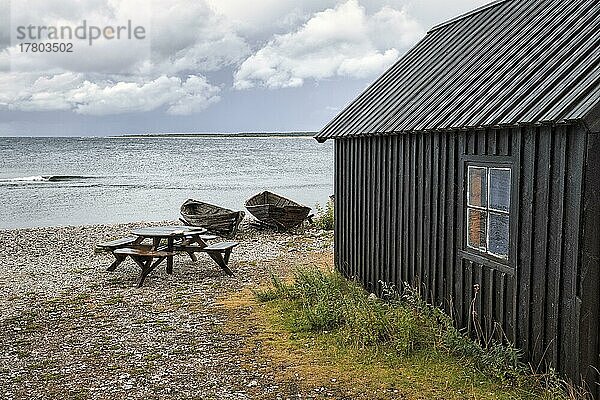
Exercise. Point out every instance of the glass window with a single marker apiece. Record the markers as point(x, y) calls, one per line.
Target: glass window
point(477, 187)
point(500, 189)
point(498, 235)
point(477, 229)
point(488, 210)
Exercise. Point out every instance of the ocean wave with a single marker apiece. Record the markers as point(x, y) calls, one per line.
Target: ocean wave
point(45, 178)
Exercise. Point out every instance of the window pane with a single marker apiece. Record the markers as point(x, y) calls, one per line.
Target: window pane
point(476, 228)
point(498, 239)
point(477, 187)
point(500, 189)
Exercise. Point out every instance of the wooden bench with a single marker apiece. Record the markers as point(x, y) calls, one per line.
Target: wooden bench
point(118, 243)
point(219, 252)
point(208, 237)
point(143, 256)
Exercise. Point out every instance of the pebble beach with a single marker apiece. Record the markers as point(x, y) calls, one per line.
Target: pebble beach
point(70, 329)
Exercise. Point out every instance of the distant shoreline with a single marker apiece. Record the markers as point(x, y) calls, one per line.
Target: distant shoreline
point(218, 135)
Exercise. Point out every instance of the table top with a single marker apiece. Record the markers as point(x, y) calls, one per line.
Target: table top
point(168, 231)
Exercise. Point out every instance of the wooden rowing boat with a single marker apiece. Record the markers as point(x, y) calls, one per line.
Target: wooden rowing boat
point(218, 220)
point(276, 211)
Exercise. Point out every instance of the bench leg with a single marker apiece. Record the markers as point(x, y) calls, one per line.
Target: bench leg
point(193, 240)
point(227, 254)
point(147, 266)
point(170, 258)
point(193, 256)
point(218, 258)
point(117, 262)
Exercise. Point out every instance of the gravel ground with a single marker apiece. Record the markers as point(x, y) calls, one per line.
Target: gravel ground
point(71, 330)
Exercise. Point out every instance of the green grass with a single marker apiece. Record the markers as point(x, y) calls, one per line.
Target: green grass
point(324, 219)
point(399, 333)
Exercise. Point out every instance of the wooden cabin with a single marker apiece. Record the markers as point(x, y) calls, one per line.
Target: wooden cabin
point(471, 169)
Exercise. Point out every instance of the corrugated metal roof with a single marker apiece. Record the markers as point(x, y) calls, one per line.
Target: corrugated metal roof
point(510, 62)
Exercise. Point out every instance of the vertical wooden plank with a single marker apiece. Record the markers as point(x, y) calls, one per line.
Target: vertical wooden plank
point(413, 223)
point(347, 207)
point(487, 282)
point(471, 142)
point(355, 194)
point(370, 188)
point(426, 237)
point(540, 241)
point(338, 175)
point(406, 204)
point(393, 204)
point(400, 234)
point(570, 303)
point(470, 303)
point(503, 139)
point(515, 147)
point(387, 192)
point(482, 137)
point(477, 279)
point(360, 210)
point(369, 226)
point(553, 271)
point(352, 192)
point(492, 148)
point(456, 224)
point(419, 205)
point(384, 191)
point(376, 207)
point(589, 283)
point(501, 306)
point(340, 203)
point(443, 279)
point(435, 267)
point(526, 182)
point(510, 317)
point(385, 225)
point(344, 206)
point(383, 163)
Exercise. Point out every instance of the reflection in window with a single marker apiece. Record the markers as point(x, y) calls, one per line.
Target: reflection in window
point(477, 229)
point(488, 208)
point(478, 186)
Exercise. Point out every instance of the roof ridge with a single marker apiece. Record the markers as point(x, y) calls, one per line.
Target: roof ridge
point(468, 14)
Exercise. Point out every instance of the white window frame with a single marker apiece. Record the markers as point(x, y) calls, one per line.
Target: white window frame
point(488, 209)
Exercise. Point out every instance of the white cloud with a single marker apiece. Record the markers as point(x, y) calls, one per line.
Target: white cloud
point(267, 17)
point(182, 36)
point(340, 41)
point(294, 41)
point(185, 39)
point(72, 91)
point(189, 36)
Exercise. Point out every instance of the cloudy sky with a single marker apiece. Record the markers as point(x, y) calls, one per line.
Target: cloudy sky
point(203, 65)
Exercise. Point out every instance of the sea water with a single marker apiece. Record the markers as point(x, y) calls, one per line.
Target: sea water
point(78, 181)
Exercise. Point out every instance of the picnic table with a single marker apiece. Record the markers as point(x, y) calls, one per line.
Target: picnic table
point(169, 233)
point(166, 241)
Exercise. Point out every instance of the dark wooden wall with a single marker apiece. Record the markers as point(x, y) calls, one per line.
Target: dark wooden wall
point(400, 218)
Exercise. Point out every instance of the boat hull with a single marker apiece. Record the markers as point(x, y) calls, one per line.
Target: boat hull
point(276, 211)
point(215, 219)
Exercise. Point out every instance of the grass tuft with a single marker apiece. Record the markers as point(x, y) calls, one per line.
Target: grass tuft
point(403, 325)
